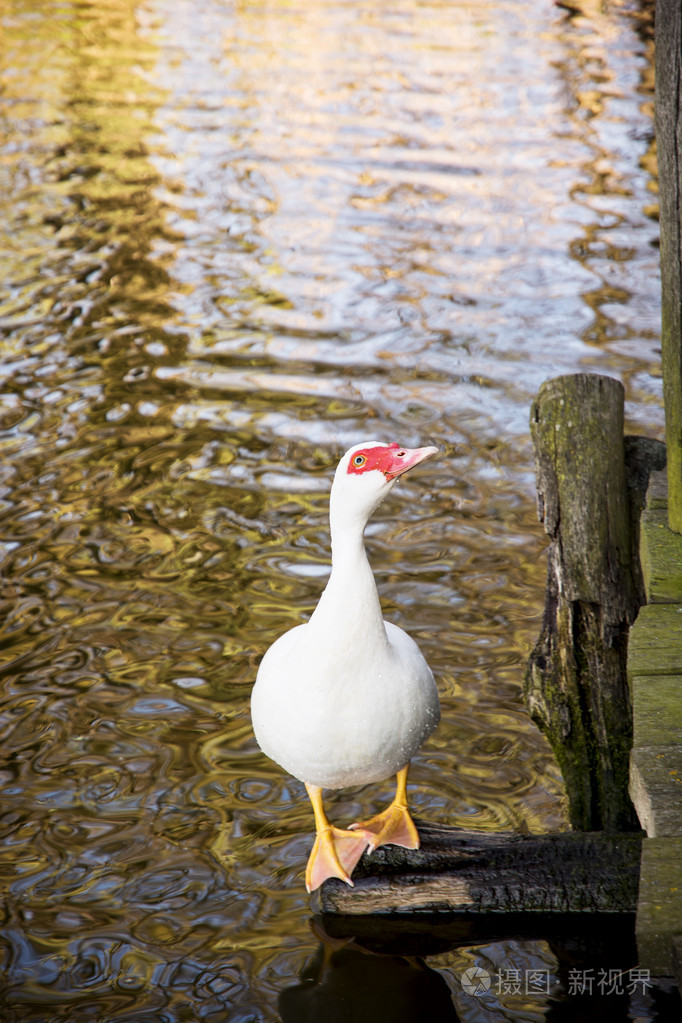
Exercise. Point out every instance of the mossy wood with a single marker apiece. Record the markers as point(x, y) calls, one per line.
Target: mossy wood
point(655, 672)
point(669, 150)
point(467, 872)
point(591, 484)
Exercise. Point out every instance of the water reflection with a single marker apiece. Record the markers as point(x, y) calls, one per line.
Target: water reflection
point(349, 983)
point(557, 967)
point(236, 238)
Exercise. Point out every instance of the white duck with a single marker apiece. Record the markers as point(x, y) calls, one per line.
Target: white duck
point(347, 698)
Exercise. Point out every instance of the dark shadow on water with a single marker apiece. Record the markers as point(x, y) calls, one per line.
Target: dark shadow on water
point(348, 982)
point(373, 969)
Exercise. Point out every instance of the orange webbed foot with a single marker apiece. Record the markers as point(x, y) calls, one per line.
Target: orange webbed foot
point(335, 853)
point(392, 827)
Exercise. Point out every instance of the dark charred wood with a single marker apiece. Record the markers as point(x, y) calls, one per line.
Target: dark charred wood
point(470, 873)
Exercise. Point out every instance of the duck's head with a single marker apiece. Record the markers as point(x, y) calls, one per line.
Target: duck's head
point(366, 474)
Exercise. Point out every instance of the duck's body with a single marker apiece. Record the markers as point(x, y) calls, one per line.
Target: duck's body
point(348, 705)
point(347, 698)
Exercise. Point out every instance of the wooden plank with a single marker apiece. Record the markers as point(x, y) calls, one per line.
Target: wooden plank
point(656, 790)
point(657, 710)
point(654, 663)
point(657, 490)
point(467, 872)
point(661, 555)
point(656, 641)
point(659, 913)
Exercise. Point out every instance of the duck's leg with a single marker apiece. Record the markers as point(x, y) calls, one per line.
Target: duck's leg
point(335, 852)
point(393, 826)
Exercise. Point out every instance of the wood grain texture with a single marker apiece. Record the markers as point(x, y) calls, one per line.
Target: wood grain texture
point(591, 487)
point(465, 872)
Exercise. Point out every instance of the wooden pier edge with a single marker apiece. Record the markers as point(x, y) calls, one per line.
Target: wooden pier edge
point(592, 485)
point(473, 873)
point(655, 656)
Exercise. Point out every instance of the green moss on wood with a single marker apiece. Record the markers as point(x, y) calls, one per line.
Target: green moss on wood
point(656, 641)
point(657, 490)
point(576, 684)
point(656, 787)
point(659, 912)
point(657, 710)
point(661, 555)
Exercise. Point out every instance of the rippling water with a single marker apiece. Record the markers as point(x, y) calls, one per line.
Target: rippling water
point(236, 238)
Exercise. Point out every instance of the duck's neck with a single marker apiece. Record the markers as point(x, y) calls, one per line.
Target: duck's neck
point(350, 602)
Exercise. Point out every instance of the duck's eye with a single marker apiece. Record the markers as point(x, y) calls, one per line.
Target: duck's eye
point(359, 461)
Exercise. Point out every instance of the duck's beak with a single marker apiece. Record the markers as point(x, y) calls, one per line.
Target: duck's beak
point(405, 459)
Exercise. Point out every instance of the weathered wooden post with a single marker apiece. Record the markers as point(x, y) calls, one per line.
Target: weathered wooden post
point(669, 150)
point(576, 683)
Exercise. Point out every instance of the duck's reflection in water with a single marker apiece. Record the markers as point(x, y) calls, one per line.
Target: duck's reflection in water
point(344, 982)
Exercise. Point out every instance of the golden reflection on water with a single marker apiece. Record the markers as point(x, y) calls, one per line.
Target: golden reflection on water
point(235, 239)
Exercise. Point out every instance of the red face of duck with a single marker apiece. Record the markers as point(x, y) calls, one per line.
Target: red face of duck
point(391, 460)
